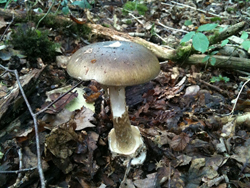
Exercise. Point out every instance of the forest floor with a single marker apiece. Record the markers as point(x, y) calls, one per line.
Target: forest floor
point(194, 118)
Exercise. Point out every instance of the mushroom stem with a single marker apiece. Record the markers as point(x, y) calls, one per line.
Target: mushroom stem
point(122, 126)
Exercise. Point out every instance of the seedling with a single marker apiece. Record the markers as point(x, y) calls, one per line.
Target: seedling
point(84, 4)
point(219, 79)
point(199, 40)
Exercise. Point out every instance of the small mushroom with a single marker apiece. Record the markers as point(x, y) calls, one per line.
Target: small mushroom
point(115, 65)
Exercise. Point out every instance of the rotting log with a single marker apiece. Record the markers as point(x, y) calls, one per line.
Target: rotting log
point(222, 62)
point(182, 54)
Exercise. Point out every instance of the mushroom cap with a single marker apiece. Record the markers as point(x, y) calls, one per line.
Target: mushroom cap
point(114, 63)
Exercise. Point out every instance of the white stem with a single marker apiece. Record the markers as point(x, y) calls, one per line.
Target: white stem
point(122, 126)
point(118, 101)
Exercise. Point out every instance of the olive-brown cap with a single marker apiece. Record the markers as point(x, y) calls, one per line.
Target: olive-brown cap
point(114, 63)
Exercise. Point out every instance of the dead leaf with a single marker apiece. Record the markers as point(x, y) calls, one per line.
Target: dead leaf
point(3, 90)
point(54, 120)
point(242, 153)
point(60, 104)
point(83, 118)
point(149, 182)
point(87, 158)
point(182, 160)
point(2, 23)
point(62, 140)
point(77, 21)
point(179, 142)
point(128, 183)
point(30, 159)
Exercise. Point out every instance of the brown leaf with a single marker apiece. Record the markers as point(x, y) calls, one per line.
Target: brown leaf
point(148, 182)
point(77, 21)
point(59, 105)
point(92, 97)
point(83, 118)
point(60, 141)
point(179, 142)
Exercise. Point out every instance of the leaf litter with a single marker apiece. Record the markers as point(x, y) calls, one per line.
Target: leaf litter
point(189, 143)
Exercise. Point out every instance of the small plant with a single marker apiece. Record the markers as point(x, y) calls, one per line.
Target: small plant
point(84, 4)
point(246, 43)
point(128, 22)
point(188, 22)
point(34, 43)
point(219, 79)
point(7, 2)
point(200, 41)
point(210, 59)
point(134, 6)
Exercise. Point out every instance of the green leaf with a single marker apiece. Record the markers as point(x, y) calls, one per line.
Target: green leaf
point(188, 22)
point(219, 78)
point(212, 61)
point(246, 44)
point(82, 4)
point(64, 3)
point(214, 52)
point(206, 58)
point(152, 30)
point(211, 47)
point(244, 35)
point(79, 102)
point(214, 19)
point(226, 79)
point(3, 1)
point(215, 79)
point(38, 10)
point(224, 42)
point(65, 10)
point(207, 27)
point(200, 42)
point(39, 33)
point(188, 36)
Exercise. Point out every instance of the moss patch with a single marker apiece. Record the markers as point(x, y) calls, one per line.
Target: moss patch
point(34, 43)
point(63, 26)
point(132, 6)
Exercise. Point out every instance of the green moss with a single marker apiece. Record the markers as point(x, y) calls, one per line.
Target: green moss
point(183, 52)
point(128, 22)
point(34, 43)
point(106, 25)
point(65, 27)
point(230, 10)
point(132, 6)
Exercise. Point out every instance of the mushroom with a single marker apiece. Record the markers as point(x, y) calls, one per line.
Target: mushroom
point(115, 65)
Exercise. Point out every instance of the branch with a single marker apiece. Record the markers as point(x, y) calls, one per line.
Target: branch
point(222, 61)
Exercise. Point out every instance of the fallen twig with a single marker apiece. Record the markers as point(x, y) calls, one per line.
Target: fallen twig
point(170, 28)
point(214, 87)
point(194, 8)
point(17, 171)
point(237, 98)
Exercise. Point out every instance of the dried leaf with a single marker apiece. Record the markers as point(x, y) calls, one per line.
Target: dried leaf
point(179, 142)
point(83, 118)
point(61, 142)
point(59, 105)
point(148, 182)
